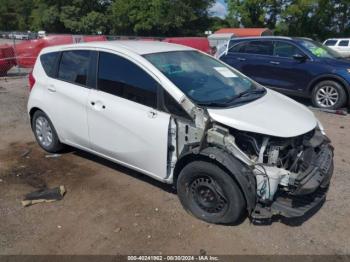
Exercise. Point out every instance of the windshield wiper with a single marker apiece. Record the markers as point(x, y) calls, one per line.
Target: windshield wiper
point(246, 93)
point(215, 104)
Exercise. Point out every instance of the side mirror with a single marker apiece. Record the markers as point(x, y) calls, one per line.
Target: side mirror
point(300, 57)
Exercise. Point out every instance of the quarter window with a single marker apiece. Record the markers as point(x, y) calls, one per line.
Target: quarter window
point(119, 76)
point(48, 62)
point(173, 107)
point(283, 49)
point(74, 66)
point(344, 43)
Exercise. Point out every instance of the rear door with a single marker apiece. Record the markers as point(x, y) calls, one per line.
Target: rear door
point(124, 122)
point(67, 96)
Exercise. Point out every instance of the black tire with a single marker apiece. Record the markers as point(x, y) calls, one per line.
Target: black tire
point(333, 85)
point(210, 194)
point(55, 145)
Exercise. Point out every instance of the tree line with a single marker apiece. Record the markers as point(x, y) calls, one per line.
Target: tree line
point(311, 18)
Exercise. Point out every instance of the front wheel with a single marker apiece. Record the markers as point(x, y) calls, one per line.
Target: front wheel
point(329, 95)
point(210, 194)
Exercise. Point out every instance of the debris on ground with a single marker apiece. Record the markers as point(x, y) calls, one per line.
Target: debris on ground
point(117, 230)
point(44, 195)
point(59, 227)
point(1, 180)
point(342, 112)
point(26, 153)
point(53, 156)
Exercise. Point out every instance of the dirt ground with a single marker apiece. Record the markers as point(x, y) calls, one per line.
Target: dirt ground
point(109, 209)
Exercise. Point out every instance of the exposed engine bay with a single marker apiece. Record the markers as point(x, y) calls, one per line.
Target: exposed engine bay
point(294, 166)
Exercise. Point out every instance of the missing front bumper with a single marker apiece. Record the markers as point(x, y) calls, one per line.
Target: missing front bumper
point(308, 194)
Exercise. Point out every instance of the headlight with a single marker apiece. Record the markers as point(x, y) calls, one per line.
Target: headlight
point(320, 127)
point(348, 70)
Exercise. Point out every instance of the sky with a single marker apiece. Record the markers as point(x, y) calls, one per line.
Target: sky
point(219, 8)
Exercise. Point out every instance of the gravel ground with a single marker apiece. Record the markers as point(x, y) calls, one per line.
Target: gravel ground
point(109, 209)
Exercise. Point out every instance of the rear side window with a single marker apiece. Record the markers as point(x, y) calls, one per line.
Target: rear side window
point(344, 43)
point(48, 61)
point(119, 76)
point(254, 47)
point(283, 49)
point(74, 66)
point(331, 42)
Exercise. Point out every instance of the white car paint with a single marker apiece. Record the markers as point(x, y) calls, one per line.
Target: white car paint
point(125, 133)
point(274, 114)
point(342, 49)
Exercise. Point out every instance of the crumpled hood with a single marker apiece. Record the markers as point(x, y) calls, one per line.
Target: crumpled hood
point(273, 114)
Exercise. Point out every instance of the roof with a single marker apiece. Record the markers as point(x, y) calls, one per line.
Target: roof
point(241, 32)
point(221, 35)
point(135, 46)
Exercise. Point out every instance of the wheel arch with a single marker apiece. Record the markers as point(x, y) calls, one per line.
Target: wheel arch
point(330, 77)
point(32, 112)
point(239, 172)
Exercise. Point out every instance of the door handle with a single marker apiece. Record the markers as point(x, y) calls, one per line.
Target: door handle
point(241, 59)
point(52, 88)
point(152, 114)
point(274, 62)
point(97, 105)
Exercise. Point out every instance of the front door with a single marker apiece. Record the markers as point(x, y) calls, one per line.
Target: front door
point(124, 123)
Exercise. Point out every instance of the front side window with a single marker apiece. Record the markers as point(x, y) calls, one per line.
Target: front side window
point(48, 62)
point(205, 80)
point(74, 66)
point(344, 43)
point(119, 76)
point(283, 49)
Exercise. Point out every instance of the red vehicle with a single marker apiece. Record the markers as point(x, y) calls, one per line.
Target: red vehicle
point(199, 43)
point(28, 51)
point(7, 58)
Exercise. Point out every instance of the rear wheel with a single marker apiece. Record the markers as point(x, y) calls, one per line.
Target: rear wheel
point(45, 133)
point(210, 194)
point(328, 94)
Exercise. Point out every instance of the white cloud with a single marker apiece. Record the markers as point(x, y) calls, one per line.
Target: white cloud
point(218, 9)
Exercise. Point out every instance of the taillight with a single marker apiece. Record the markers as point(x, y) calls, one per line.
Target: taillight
point(31, 80)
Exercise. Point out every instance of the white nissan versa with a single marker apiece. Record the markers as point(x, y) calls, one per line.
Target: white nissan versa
point(230, 146)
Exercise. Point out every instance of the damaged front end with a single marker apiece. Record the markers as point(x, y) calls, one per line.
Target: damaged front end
point(283, 176)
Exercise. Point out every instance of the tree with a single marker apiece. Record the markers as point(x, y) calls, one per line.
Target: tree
point(15, 15)
point(73, 16)
point(160, 17)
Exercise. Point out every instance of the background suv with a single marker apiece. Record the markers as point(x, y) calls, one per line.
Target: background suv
point(295, 66)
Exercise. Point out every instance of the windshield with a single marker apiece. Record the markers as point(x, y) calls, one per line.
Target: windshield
point(319, 50)
point(205, 80)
